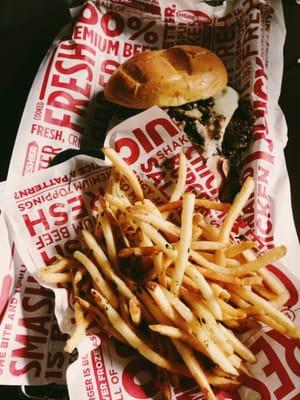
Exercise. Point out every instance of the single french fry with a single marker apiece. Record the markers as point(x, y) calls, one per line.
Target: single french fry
point(151, 207)
point(79, 274)
point(238, 301)
point(172, 354)
point(124, 311)
point(54, 277)
point(103, 322)
point(272, 323)
point(119, 203)
point(254, 280)
point(97, 277)
point(81, 325)
point(177, 333)
point(180, 185)
point(207, 245)
point(199, 259)
point(253, 311)
point(280, 300)
point(272, 255)
point(189, 284)
point(98, 229)
point(160, 269)
point(235, 249)
point(232, 323)
point(209, 204)
point(163, 375)
point(219, 277)
point(197, 233)
point(210, 232)
point(195, 368)
point(145, 240)
point(236, 361)
point(60, 265)
point(109, 239)
point(219, 291)
point(244, 269)
point(135, 310)
point(244, 370)
point(222, 382)
point(179, 306)
point(158, 239)
point(138, 251)
point(184, 242)
point(264, 292)
point(236, 209)
point(269, 278)
point(231, 312)
point(114, 179)
point(124, 168)
point(229, 262)
point(219, 372)
point(157, 221)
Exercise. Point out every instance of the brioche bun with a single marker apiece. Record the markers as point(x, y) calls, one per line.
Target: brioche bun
point(167, 78)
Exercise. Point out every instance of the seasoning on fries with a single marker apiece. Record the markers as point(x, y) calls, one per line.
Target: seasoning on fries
point(165, 287)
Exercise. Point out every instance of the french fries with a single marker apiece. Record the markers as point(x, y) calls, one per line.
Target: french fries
point(185, 241)
point(210, 204)
point(129, 335)
point(55, 277)
point(121, 166)
point(162, 278)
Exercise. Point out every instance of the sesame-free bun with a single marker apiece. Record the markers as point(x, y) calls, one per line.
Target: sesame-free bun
point(167, 78)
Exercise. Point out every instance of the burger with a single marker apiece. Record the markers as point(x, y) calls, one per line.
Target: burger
point(190, 84)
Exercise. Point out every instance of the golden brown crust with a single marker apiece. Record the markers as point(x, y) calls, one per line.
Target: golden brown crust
point(167, 78)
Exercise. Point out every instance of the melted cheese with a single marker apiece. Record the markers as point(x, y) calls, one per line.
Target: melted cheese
point(226, 103)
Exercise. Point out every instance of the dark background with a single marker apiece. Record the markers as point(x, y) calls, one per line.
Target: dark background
point(27, 29)
point(290, 101)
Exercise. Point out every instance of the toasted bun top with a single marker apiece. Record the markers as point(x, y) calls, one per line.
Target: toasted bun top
point(167, 78)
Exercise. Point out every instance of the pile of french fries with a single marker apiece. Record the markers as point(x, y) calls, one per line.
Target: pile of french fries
point(164, 280)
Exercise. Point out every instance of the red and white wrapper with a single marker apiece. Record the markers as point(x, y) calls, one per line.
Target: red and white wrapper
point(45, 209)
point(31, 343)
point(48, 209)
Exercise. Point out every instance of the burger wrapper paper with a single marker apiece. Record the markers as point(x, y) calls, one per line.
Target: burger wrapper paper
point(47, 210)
point(44, 209)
